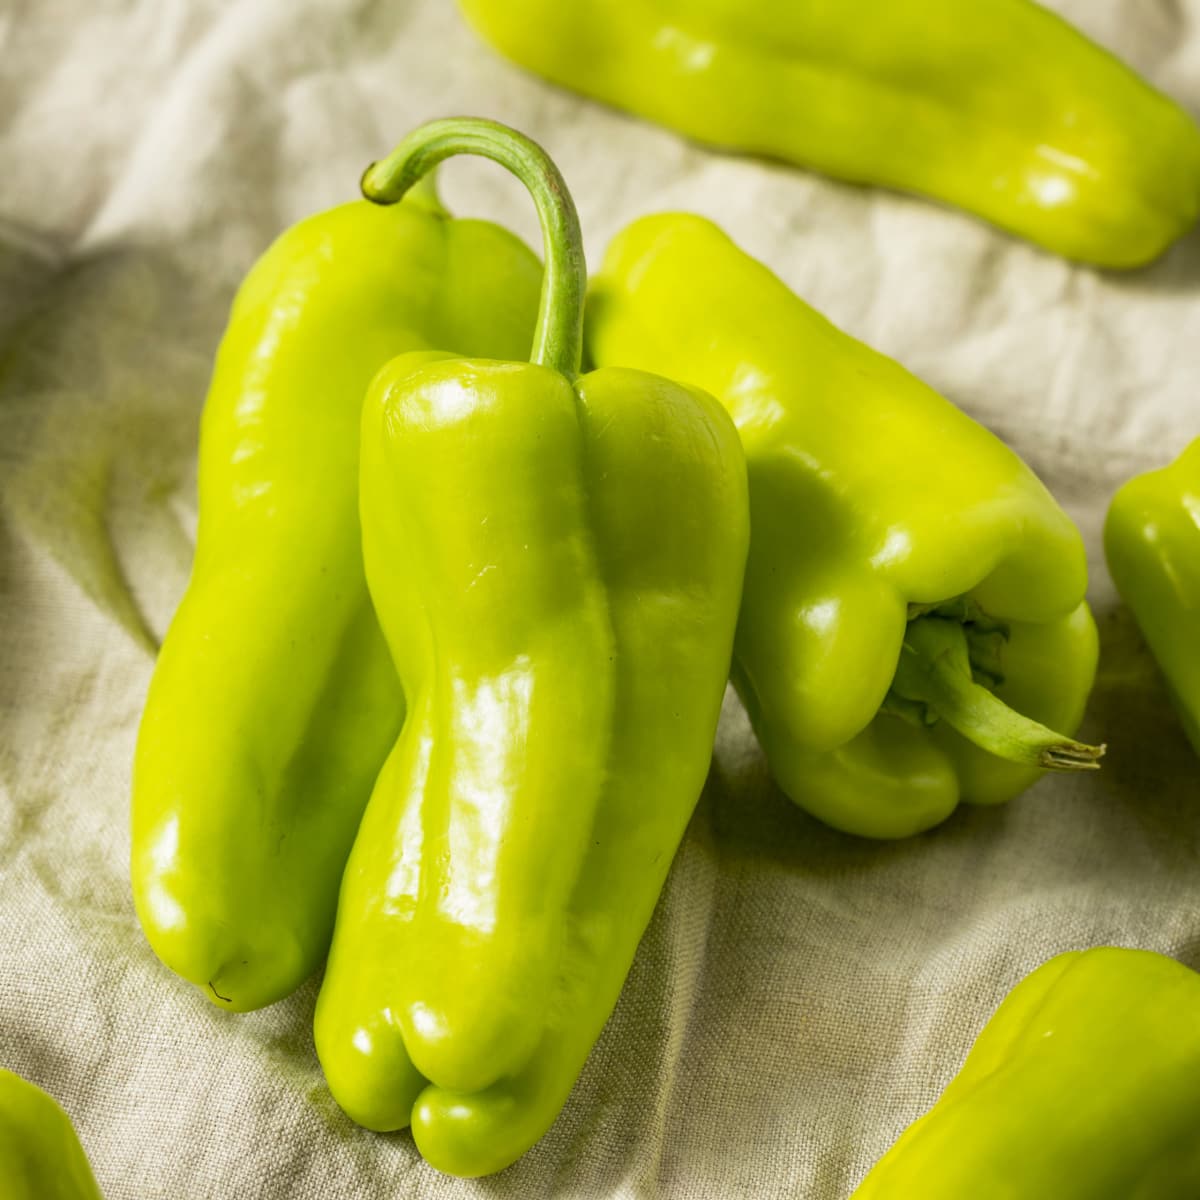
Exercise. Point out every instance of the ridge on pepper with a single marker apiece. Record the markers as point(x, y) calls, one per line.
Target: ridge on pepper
point(274, 702)
point(913, 630)
point(556, 560)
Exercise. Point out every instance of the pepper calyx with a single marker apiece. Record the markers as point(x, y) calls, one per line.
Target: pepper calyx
point(938, 671)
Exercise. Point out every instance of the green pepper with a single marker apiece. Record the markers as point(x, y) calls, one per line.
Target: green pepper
point(557, 563)
point(274, 701)
point(40, 1155)
point(903, 559)
point(1002, 109)
point(1084, 1085)
point(1152, 542)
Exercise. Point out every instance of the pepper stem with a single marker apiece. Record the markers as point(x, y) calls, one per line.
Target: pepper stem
point(558, 337)
point(935, 671)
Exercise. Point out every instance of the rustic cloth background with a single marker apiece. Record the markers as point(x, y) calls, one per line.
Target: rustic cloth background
point(801, 995)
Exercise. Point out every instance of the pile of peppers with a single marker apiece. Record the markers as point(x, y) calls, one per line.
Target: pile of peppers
point(441, 695)
point(494, 681)
point(497, 678)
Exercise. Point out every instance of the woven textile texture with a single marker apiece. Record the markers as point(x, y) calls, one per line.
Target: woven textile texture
point(801, 995)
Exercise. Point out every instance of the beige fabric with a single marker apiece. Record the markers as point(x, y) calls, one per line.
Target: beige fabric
point(801, 995)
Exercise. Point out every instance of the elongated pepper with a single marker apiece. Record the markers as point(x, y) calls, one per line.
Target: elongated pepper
point(556, 561)
point(913, 629)
point(1084, 1085)
point(274, 702)
point(1002, 108)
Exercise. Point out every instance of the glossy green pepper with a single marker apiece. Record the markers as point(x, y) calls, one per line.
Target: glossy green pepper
point(557, 563)
point(40, 1156)
point(1084, 1085)
point(902, 557)
point(274, 701)
point(1152, 543)
point(1002, 109)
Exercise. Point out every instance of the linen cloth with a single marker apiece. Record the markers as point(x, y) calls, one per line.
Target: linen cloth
point(801, 995)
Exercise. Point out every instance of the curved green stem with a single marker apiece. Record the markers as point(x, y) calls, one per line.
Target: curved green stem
point(558, 338)
point(935, 671)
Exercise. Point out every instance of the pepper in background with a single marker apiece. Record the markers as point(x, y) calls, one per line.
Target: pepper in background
point(1084, 1085)
point(557, 562)
point(1001, 109)
point(1152, 543)
point(40, 1155)
point(912, 588)
point(274, 701)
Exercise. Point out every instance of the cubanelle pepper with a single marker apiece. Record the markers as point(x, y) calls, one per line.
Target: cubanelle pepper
point(1002, 108)
point(912, 588)
point(556, 561)
point(1084, 1085)
point(274, 701)
point(1152, 543)
point(40, 1154)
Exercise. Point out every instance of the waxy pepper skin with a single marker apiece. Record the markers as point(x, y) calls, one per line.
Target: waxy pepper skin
point(40, 1154)
point(913, 618)
point(274, 701)
point(556, 561)
point(1000, 108)
point(1152, 543)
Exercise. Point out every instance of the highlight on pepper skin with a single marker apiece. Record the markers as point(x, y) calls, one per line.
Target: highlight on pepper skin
point(491, 594)
point(1011, 114)
point(274, 700)
point(903, 645)
point(564, 662)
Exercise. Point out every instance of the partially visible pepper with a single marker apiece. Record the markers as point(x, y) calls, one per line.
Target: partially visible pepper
point(1152, 543)
point(1002, 108)
point(274, 701)
point(556, 561)
point(40, 1154)
point(1084, 1085)
point(913, 616)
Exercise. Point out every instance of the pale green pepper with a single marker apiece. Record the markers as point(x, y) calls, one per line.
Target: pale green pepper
point(913, 626)
point(557, 562)
point(1152, 542)
point(999, 107)
point(40, 1154)
point(1084, 1085)
point(274, 701)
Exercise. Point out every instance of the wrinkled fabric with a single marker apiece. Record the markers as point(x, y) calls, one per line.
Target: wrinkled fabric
point(801, 995)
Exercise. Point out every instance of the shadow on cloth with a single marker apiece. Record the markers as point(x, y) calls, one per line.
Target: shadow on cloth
point(101, 382)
